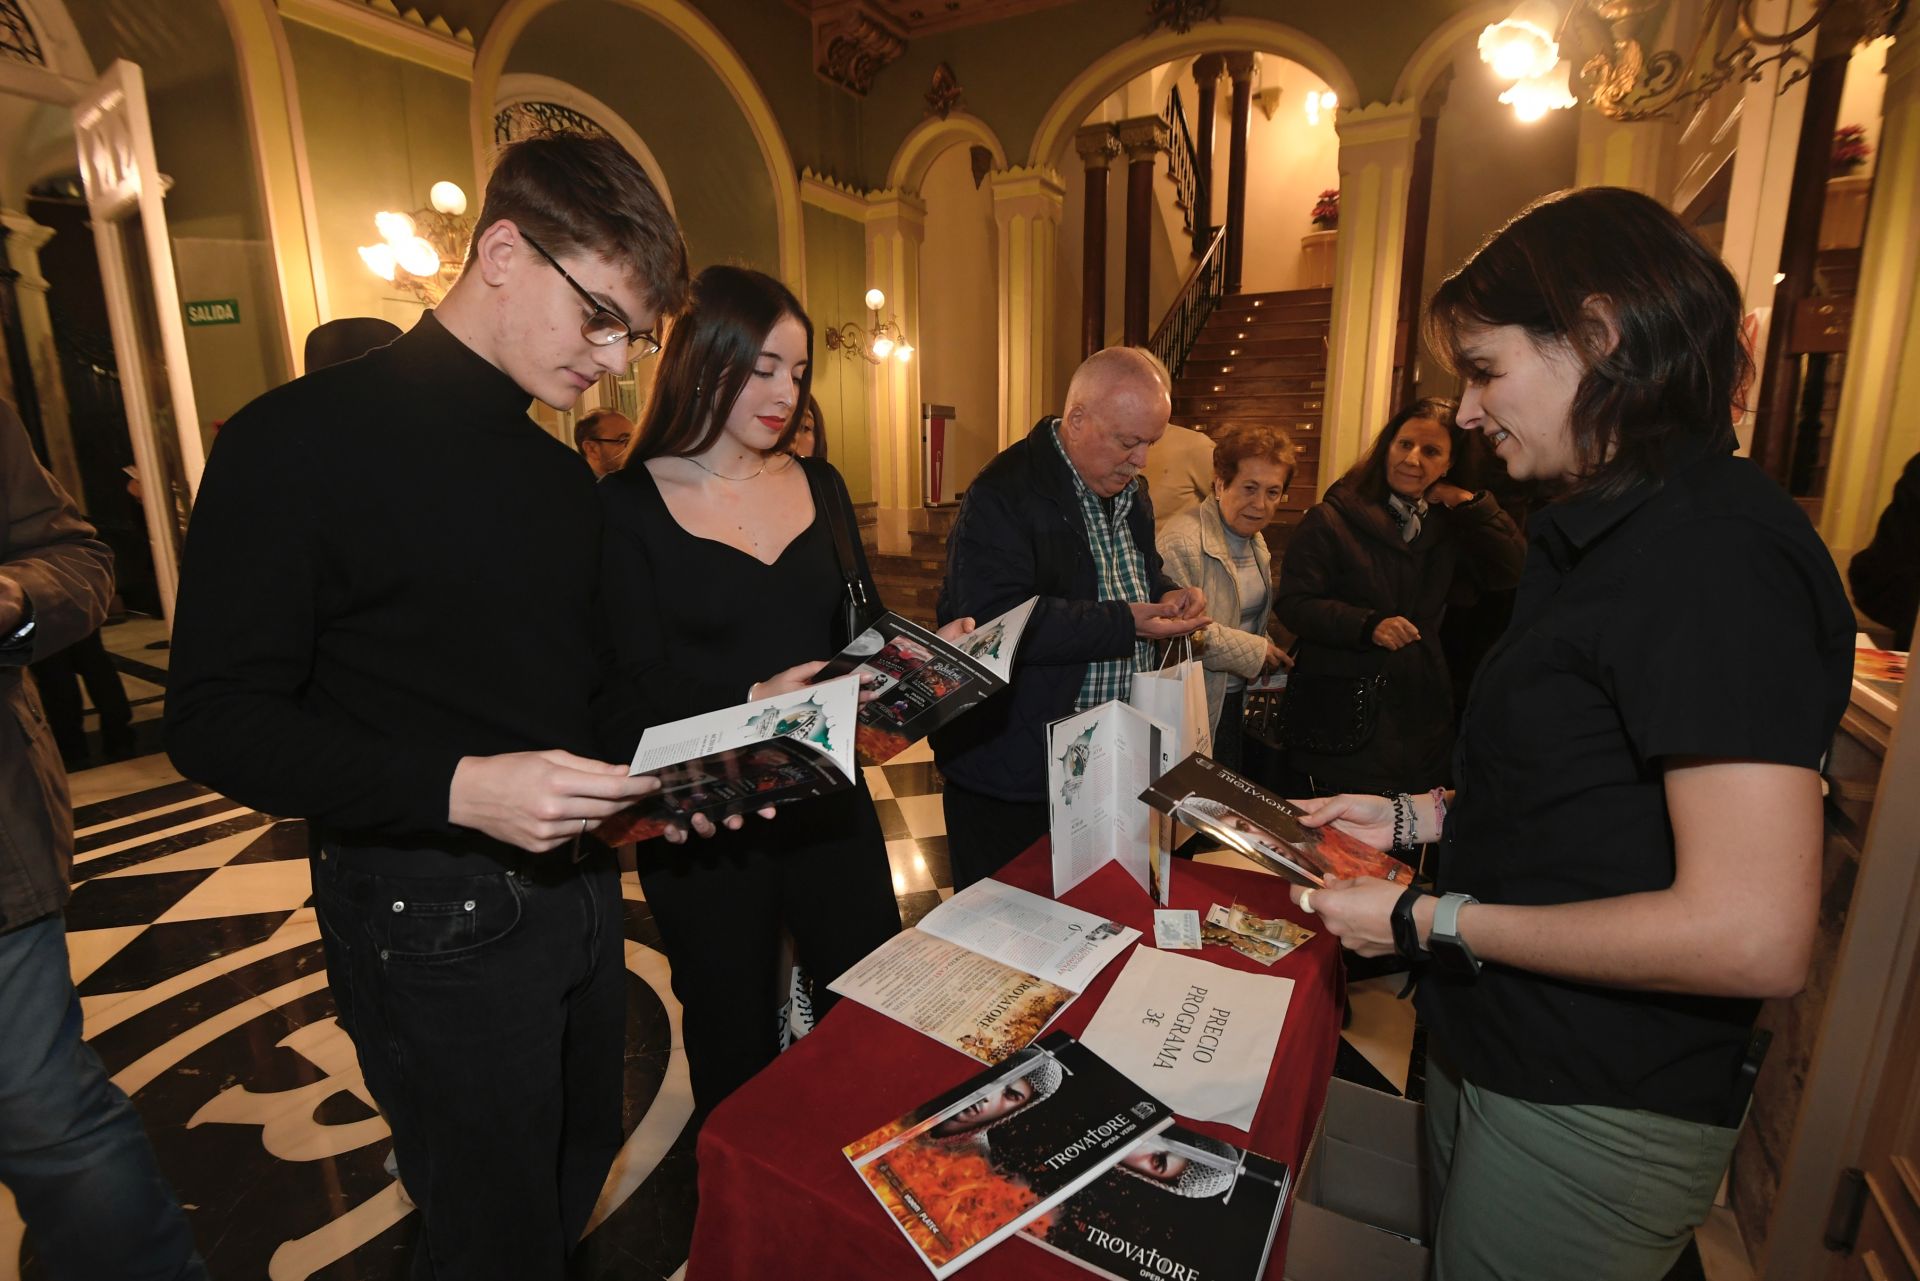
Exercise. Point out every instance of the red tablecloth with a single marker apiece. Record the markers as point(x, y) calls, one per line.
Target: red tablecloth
point(777, 1197)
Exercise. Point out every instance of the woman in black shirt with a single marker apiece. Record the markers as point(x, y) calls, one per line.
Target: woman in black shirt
point(721, 584)
point(1632, 860)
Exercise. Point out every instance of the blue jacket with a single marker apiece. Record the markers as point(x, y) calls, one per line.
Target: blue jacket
point(1019, 534)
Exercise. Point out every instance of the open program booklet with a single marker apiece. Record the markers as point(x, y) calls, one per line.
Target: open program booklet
point(969, 1168)
point(1097, 762)
point(1250, 820)
point(772, 751)
point(987, 970)
point(1178, 1204)
point(923, 682)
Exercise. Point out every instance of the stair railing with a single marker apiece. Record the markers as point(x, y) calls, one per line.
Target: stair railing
point(1182, 163)
point(1202, 291)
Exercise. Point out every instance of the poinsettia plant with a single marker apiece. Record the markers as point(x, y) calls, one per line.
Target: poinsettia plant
point(1850, 148)
point(1326, 210)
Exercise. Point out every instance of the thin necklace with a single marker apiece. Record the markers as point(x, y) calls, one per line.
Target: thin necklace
point(765, 462)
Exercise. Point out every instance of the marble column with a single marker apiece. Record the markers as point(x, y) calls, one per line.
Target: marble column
point(24, 240)
point(1097, 147)
point(1376, 167)
point(1207, 70)
point(896, 224)
point(1143, 138)
point(1876, 429)
point(1027, 204)
point(1240, 71)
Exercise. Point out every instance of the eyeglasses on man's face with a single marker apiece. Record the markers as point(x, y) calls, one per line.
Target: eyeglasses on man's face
point(601, 328)
point(612, 442)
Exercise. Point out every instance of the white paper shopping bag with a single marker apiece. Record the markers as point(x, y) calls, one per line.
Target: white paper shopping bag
point(1176, 695)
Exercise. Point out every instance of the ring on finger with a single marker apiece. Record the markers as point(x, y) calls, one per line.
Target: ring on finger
point(583, 827)
point(1306, 902)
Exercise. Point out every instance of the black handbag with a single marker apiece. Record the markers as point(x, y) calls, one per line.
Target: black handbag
point(1329, 715)
point(858, 610)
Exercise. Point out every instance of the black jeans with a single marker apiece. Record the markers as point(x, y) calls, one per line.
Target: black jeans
point(819, 869)
point(489, 1014)
point(985, 833)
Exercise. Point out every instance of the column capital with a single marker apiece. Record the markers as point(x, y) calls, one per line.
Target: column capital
point(25, 238)
point(1209, 67)
point(896, 212)
point(1023, 191)
point(1143, 137)
point(1389, 124)
point(1240, 65)
point(1096, 144)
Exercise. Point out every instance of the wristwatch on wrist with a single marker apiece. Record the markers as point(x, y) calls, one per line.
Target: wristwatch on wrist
point(1406, 935)
point(1451, 955)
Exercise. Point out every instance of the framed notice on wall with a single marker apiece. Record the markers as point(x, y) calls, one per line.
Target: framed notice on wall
point(936, 438)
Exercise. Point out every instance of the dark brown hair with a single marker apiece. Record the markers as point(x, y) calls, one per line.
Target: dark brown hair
point(1679, 366)
point(579, 193)
point(1237, 444)
point(1369, 475)
point(819, 429)
point(709, 353)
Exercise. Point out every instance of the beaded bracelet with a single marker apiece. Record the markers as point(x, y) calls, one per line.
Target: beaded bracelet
point(1402, 818)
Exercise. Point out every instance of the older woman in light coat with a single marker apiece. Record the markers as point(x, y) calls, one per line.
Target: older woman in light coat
point(1218, 548)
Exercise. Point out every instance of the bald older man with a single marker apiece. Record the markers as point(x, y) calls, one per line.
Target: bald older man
point(1060, 515)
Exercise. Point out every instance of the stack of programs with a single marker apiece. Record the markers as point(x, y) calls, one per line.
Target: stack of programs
point(975, 1165)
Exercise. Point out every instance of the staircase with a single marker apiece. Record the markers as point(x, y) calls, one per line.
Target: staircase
point(910, 584)
point(1258, 359)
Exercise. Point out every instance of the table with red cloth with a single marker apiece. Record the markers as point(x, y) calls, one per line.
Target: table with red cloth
point(779, 1199)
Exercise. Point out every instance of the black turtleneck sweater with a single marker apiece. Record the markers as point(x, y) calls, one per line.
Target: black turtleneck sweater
point(390, 566)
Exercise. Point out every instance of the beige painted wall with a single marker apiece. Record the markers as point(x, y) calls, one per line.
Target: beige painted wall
point(380, 132)
point(958, 343)
point(836, 262)
point(1487, 166)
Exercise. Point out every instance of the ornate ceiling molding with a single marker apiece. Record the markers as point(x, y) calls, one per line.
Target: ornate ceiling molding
point(852, 41)
point(379, 24)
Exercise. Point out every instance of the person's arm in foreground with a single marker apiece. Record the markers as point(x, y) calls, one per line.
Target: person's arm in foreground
point(1738, 920)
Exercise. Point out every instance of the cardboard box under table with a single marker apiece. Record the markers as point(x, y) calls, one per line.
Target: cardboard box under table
point(777, 1198)
point(1362, 1194)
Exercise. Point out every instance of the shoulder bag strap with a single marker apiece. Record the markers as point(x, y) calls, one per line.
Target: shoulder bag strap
point(827, 503)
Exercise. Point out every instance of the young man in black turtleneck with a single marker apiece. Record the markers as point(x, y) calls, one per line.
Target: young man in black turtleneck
point(387, 625)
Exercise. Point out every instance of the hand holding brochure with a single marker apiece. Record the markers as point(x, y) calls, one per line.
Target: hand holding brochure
point(773, 751)
point(988, 970)
point(1250, 820)
point(976, 1164)
point(921, 681)
point(1180, 1204)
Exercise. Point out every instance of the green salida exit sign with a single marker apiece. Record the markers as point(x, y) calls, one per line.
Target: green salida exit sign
point(214, 311)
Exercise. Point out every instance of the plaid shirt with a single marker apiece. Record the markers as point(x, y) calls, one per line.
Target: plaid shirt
point(1122, 574)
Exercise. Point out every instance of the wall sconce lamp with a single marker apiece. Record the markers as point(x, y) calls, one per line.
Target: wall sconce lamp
point(422, 252)
point(875, 343)
point(1322, 102)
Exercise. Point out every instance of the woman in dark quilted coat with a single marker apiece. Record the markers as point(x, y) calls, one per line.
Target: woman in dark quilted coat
point(1365, 584)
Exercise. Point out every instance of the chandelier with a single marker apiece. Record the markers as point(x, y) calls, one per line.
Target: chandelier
point(878, 341)
point(1612, 42)
point(421, 252)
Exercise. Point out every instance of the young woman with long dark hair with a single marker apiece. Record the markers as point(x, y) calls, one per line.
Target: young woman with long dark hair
point(721, 583)
point(1632, 858)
